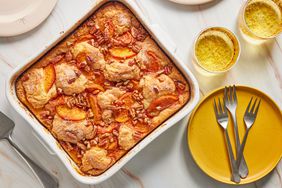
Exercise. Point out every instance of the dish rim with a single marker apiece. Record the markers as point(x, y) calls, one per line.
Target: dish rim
point(47, 138)
point(193, 2)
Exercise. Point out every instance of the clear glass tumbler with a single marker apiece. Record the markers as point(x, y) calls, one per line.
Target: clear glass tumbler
point(260, 20)
point(216, 50)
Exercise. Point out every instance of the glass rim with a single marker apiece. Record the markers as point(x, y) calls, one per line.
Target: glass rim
point(247, 27)
point(230, 32)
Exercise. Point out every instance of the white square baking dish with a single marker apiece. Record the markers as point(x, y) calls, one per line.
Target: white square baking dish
point(51, 143)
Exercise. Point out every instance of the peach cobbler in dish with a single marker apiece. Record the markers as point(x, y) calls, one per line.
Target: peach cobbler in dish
point(103, 88)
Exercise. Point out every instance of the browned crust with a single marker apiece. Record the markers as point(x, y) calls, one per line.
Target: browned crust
point(63, 47)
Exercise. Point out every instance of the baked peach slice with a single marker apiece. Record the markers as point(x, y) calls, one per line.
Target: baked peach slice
point(49, 77)
point(95, 107)
point(121, 116)
point(81, 56)
point(93, 86)
point(84, 38)
point(122, 53)
point(113, 145)
point(141, 127)
point(161, 103)
point(153, 64)
point(73, 114)
point(127, 99)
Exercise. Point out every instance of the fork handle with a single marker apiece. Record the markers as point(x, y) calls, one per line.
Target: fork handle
point(46, 180)
point(241, 151)
point(243, 168)
point(235, 177)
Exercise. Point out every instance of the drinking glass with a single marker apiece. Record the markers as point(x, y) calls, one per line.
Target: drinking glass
point(260, 20)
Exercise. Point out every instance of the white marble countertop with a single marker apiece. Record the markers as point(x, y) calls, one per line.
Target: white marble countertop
point(165, 162)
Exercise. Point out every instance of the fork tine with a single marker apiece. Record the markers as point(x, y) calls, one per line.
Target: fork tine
point(256, 111)
point(248, 108)
point(215, 108)
point(219, 106)
point(230, 93)
point(253, 107)
point(234, 93)
point(225, 95)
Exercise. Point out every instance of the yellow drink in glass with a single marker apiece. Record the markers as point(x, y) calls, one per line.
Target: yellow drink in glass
point(260, 20)
point(216, 50)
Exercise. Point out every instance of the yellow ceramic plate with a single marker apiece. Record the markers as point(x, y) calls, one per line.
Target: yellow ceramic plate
point(263, 149)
